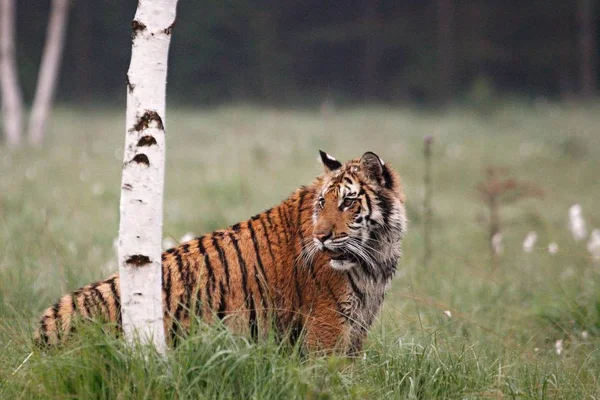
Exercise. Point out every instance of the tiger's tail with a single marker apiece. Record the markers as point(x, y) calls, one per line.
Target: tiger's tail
point(99, 301)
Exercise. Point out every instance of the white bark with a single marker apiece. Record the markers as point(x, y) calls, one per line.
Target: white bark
point(140, 230)
point(12, 103)
point(48, 74)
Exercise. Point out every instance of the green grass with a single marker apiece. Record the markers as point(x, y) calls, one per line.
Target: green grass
point(59, 217)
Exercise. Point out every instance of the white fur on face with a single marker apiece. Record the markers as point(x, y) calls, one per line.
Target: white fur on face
point(342, 265)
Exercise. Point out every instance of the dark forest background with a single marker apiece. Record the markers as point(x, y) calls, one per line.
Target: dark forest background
point(306, 52)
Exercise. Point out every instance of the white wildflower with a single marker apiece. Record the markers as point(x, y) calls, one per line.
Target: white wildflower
point(569, 272)
point(498, 243)
point(110, 267)
point(558, 346)
point(585, 335)
point(536, 349)
point(97, 189)
point(31, 173)
point(529, 242)
point(187, 237)
point(553, 248)
point(448, 313)
point(72, 247)
point(526, 149)
point(84, 175)
point(455, 151)
point(577, 223)
point(593, 244)
point(95, 252)
point(168, 243)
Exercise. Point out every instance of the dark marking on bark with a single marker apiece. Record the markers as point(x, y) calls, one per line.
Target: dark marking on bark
point(136, 28)
point(146, 141)
point(138, 260)
point(169, 29)
point(137, 25)
point(130, 86)
point(143, 122)
point(127, 186)
point(141, 159)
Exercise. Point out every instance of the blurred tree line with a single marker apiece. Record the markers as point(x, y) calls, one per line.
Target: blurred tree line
point(302, 52)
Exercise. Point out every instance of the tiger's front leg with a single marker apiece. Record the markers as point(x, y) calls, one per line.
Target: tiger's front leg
point(328, 331)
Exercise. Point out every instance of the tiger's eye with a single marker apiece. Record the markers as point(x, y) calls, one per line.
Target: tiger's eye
point(348, 202)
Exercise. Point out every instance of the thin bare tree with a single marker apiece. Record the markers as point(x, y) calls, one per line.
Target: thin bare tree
point(371, 51)
point(12, 103)
point(48, 74)
point(587, 47)
point(140, 230)
point(445, 24)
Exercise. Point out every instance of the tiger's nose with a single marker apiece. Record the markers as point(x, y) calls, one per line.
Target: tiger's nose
point(323, 236)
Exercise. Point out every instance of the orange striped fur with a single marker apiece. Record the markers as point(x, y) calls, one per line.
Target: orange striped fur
point(319, 263)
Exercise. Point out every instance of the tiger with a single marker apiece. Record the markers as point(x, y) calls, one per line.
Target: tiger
point(315, 267)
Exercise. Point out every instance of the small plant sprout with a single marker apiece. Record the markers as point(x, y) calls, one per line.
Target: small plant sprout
point(497, 190)
point(593, 245)
point(529, 242)
point(553, 248)
point(427, 196)
point(577, 223)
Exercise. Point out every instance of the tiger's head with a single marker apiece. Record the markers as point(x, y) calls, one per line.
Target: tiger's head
point(359, 216)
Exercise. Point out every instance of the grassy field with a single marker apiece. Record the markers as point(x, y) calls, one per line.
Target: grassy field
point(458, 328)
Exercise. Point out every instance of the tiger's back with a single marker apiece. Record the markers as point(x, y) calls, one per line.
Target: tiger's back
point(271, 270)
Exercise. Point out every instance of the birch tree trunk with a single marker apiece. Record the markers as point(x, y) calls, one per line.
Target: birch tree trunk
point(140, 231)
point(44, 92)
point(12, 103)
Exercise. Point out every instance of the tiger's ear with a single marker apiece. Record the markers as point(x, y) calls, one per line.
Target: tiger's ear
point(373, 167)
point(330, 163)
